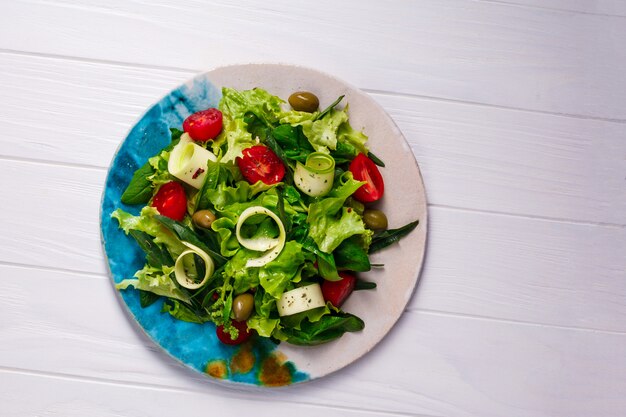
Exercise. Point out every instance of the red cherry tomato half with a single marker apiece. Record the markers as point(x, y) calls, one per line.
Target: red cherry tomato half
point(260, 163)
point(363, 169)
point(337, 291)
point(171, 201)
point(244, 334)
point(204, 125)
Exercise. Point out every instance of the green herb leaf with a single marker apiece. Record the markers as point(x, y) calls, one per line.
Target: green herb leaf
point(388, 237)
point(147, 298)
point(328, 328)
point(281, 211)
point(182, 312)
point(351, 255)
point(155, 254)
point(375, 159)
point(139, 189)
point(176, 134)
point(364, 285)
point(329, 108)
point(187, 235)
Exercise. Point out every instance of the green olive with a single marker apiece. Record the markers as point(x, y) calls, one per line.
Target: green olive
point(375, 219)
point(243, 305)
point(304, 101)
point(203, 218)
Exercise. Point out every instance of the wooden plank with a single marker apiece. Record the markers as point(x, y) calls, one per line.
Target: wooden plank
point(516, 162)
point(70, 397)
point(430, 363)
point(614, 8)
point(52, 216)
point(543, 60)
point(471, 156)
point(547, 272)
point(73, 111)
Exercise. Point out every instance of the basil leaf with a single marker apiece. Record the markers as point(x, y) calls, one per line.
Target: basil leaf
point(325, 261)
point(291, 141)
point(176, 133)
point(350, 255)
point(328, 328)
point(155, 254)
point(326, 266)
point(147, 298)
point(386, 238)
point(139, 189)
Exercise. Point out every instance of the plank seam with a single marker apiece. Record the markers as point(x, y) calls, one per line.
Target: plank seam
point(175, 389)
point(407, 310)
point(514, 321)
point(553, 9)
point(368, 90)
point(530, 216)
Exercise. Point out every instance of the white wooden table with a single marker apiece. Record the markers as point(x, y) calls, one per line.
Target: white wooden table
point(515, 110)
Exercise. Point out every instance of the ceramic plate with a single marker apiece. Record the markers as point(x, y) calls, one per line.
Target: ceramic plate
point(261, 362)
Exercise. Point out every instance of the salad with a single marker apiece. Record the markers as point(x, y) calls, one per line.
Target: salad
point(258, 217)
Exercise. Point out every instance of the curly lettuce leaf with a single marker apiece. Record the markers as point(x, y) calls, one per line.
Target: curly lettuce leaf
point(322, 133)
point(234, 137)
point(263, 105)
point(264, 326)
point(330, 223)
point(276, 276)
point(243, 278)
point(155, 280)
point(147, 223)
point(329, 133)
point(235, 106)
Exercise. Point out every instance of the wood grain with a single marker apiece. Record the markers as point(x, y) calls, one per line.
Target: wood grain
point(443, 365)
point(608, 8)
point(493, 53)
point(514, 110)
point(74, 397)
point(475, 157)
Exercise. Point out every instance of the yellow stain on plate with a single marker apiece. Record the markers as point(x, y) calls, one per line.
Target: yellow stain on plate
point(243, 361)
point(275, 371)
point(217, 369)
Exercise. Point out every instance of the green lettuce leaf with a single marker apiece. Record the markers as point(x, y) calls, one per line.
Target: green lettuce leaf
point(234, 137)
point(322, 133)
point(313, 315)
point(330, 223)
point(235, 106)
point(347, 135)
point(155, 280)
point(276, 276)
point(243, 278)
point(180, 311)
point(147, 223)
point(295, 117)
point(161, 174)
point(264, 326)
point(329, 327)
point(262, 104)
